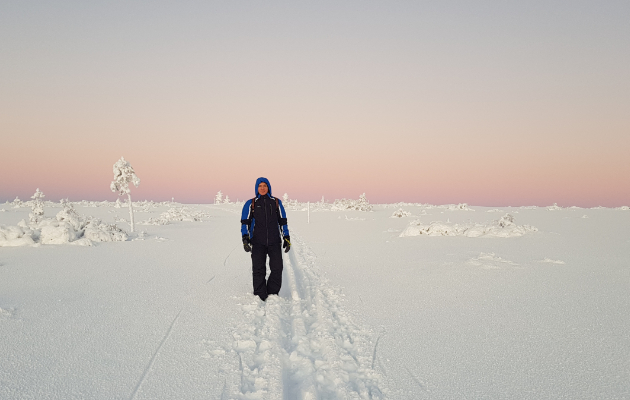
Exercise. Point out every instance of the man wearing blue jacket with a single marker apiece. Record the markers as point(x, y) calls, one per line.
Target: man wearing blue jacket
point(262, 221)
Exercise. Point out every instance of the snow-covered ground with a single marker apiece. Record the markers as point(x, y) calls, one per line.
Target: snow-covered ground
point(401, 302)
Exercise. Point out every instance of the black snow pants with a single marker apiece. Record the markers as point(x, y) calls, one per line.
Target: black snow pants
point(260, 252)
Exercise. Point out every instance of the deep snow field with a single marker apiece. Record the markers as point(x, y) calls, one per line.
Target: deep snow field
point(448, 302)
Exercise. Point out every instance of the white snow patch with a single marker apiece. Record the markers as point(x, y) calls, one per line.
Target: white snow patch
point(490, 261)
point(625, 208)
point(550, 261)
point(5, 314)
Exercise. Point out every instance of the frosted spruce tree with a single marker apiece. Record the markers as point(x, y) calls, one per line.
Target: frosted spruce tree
point(285, 198)
point(38, 207)
point(226, 200)
point(123, 175)
point(218, 199)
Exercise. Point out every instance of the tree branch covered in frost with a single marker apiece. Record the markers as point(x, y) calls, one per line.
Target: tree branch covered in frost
point(503, 227)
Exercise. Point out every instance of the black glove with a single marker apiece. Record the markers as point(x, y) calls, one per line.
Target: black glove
point(286, 244)
point(247, 244)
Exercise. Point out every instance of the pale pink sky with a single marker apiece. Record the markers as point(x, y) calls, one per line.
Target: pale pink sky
point(489, 104)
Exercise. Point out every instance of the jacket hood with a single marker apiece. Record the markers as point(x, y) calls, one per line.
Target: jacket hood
point(261, 179)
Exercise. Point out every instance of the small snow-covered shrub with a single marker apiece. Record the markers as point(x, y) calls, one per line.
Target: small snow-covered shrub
point(504, 227)
point(625, 208)
point(400, 213)
point(68, 227)
point(17, 203)
point(459, 207)
point(177, 214)
point(506, 220)
point(218, 198)
point(555, 207)
point(37, 207)
point(347, 204)
point(97, 231)
point(15, 236)
point(226, 200)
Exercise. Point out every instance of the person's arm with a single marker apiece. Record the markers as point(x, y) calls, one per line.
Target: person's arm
point(282, 221)
point(246, 225)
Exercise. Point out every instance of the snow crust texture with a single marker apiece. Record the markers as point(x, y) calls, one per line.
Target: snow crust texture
point(503, 227)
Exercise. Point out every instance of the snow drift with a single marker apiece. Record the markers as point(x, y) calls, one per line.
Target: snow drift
point(67, 227)
point(503, 227)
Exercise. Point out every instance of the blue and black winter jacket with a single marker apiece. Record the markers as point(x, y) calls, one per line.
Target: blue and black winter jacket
point(263, 225)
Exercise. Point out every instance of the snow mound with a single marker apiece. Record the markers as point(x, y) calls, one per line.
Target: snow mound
point(5, 314)
point(503, 227)
point(555, 207)
point(400, 213)
point(15, 236)
point(177, 214)
point(550, 261)
point(625, 208)
point(68, 227)
point(459, 207)
point(490, 261)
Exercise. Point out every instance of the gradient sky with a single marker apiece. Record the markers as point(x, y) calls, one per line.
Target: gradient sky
point(487, 102)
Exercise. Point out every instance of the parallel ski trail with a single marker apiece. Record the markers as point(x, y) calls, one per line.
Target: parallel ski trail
point(303, 346)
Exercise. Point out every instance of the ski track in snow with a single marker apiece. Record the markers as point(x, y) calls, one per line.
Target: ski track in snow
point(157, 351)
point(301, 347)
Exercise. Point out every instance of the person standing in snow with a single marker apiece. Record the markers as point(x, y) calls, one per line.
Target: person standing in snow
point(262, 221)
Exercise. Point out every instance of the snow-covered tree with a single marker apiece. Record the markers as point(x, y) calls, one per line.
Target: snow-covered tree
point(226, 200)
point(218, 199)
point(38, 207)
point(285, 198)
point(17, 203)
point(363, 204)
point(123, 175)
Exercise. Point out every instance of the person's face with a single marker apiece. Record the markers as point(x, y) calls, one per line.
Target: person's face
point(262, 189)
